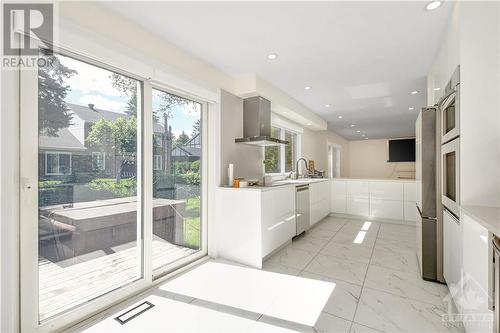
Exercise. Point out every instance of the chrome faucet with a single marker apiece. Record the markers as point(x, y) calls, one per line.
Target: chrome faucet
point(297, 166)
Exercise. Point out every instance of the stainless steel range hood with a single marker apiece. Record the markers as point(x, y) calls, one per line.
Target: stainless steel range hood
point(257, 123)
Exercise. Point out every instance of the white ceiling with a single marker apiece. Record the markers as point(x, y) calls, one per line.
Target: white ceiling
point(363, 58)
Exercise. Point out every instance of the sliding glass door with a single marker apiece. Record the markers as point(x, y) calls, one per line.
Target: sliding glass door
point(177, 178)
point(98, 223)
point(88, 178)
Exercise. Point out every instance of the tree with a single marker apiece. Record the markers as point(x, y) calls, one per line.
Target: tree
point(182, 139)
point(196, 128)
point(119, 135)
point(128, 87)
point(53, 113)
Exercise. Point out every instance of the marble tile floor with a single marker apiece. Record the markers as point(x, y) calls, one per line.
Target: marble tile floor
point(378, 288)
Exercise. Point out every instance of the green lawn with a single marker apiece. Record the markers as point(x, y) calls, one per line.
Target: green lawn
point(192, 222)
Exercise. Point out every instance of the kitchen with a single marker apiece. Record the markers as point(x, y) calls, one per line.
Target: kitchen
point(334, 168)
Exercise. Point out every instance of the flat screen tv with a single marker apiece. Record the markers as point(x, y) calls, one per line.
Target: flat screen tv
point(402, 150)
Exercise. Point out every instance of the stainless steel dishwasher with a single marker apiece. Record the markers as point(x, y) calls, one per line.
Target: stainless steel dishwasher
point(302, 208)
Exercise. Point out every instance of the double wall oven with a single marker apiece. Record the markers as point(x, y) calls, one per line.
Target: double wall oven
point(450, 149)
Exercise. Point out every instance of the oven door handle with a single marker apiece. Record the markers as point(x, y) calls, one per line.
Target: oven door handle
point(447, 99)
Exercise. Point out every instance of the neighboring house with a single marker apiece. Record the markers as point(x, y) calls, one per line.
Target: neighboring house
point(67, 156)
point(188, 152)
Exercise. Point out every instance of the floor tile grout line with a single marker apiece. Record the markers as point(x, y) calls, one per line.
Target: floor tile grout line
point(321, 249)
point(366, 274)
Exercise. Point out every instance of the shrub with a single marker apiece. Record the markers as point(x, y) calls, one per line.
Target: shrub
point(122, 188)
point(48, 183)
point(191, 178)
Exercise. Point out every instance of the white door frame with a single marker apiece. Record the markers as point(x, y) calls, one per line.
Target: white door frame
point(331, 168)
point(29, 310)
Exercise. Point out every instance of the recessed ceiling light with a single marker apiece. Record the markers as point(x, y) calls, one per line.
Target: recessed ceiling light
point(284, 112)
point(309, 124)
point(437, 88)
point(414, 92)
point(327, 105)
point(353, 125)
point(272, 56)
point(307, 87)
point(411, 108)
point(363, 134)
point(433, 5)
point(358, 131)
point(366, 138)
point(340, 117)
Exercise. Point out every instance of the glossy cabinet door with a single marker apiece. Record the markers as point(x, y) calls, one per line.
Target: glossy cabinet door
point(338, 196)
point(452, 251)
point(386, 190)
point(475, 271)
point(390, 209)
point(278, 218)
point(357, 188)
point(320, 201)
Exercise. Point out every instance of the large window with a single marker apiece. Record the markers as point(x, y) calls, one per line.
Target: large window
point(281, 159)
point(87, 221)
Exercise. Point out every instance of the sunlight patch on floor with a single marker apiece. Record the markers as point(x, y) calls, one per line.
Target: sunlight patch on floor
point(281, 296)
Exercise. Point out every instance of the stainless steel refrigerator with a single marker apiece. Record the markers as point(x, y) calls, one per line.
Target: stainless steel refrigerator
point(429, 229)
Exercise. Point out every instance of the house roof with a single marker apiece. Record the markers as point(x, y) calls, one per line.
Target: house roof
point(187, 151)
point(93, 115)
point(64, 140)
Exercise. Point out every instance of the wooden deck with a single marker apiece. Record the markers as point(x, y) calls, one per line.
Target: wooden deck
point(65, 285)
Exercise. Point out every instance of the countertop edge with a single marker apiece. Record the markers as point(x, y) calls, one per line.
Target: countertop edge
point(488, 217)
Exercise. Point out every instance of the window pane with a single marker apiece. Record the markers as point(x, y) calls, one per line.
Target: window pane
point(290, 151)
point(176, 178)
point(272, 154)
point(87, 225)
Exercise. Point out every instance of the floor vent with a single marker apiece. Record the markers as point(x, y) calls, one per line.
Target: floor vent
point(134, 312)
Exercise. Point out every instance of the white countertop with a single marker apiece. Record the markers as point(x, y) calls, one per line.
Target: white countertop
point(377, 179)
point(488, 217)
point(281, 184)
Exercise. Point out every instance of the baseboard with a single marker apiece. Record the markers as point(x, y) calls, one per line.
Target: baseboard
point(374, 219)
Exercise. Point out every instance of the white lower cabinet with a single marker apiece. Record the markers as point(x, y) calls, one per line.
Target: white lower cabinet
point(339, 204)
point(379, 199)
point(389, 209)
point(452, 250)
point(319, 197)
point(358, 206)
point(409, 211)
point(475, 273)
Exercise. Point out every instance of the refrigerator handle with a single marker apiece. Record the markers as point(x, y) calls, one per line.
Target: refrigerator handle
point(423, 216)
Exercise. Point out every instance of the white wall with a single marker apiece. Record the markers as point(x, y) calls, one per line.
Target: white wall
point(315, 147)
point(472, 40)
point(368, 159)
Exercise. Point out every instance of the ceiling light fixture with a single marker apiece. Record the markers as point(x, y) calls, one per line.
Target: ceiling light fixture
point(284, 112)
point(433, 5)
point(358, 131)
point(363, 134)
point(414, 92)
point(353, 125)
point(411, 108)
point(307, 87)
point(366, 138)
point(437, 89)
point(327, 105)
point(272, 56)
point(340, 117)
point(309, 124)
